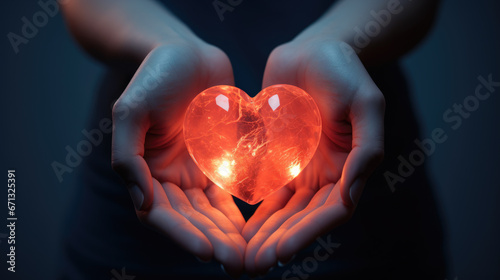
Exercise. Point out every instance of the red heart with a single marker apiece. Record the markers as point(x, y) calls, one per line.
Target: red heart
point(251, 147)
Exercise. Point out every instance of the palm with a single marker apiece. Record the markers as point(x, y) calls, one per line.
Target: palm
point(164, 148)
point(326, 165)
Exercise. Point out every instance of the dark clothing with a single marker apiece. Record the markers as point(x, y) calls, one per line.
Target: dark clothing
point(392, 235)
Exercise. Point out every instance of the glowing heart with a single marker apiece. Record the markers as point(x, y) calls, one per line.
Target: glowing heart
point(251, 147)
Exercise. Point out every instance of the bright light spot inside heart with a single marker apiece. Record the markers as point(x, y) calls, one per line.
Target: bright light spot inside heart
point(222, 101)
point(295, 170)
point(274, 102)
point(225, 169)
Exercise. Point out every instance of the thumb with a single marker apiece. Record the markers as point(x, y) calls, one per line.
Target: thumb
point(129, 132)
point(367, 120)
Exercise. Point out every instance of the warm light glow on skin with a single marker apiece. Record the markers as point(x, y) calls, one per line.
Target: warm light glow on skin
point(252, 147)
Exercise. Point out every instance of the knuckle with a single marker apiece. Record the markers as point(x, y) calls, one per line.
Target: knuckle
point(172, 48)
point(119, 164)
point(173, 51)
point(119, 108)
point(130, 107)
point(216, 54)
point(374, 98)
point(279, 54)
point(117, 105)
point(376, 153)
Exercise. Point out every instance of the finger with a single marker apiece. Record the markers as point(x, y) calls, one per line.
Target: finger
point(225, 250)
point(201, 204)
point(278, 67)
point(163, 218)
point(224, 202)
point(319, 198)
point(266, 256)
point(129, 132)
point(131, 122)
point(316, 223)
point(221, 73)
point(296, 203)
point(367, 119)
point(270, 205)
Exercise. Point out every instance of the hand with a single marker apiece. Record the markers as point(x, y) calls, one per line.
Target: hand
point(325, 194)
point(170, 193)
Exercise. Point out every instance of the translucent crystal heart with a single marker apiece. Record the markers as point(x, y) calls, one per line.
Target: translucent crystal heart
point(251, 147)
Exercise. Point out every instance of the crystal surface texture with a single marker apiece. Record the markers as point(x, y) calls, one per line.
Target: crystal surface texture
point(251, 147)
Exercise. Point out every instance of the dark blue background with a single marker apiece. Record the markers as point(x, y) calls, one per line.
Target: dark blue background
point(46, 92)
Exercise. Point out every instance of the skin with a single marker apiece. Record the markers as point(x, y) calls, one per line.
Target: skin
point(326, 62)
point(170, 193)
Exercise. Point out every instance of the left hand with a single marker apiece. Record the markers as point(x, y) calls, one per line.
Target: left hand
point(326, 192)
point(170, 193)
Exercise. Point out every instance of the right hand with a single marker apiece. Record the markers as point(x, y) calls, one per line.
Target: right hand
point(326, 192)
point(169, 191)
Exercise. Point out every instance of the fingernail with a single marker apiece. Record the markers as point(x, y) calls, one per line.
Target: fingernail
point(356, 190)
point(223, 269)
point(282, 264)
point(137, 196)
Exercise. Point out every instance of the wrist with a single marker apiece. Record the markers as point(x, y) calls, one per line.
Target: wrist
point(324, 28)
point(177, 37)
point(313, 43)
point(197, 47)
